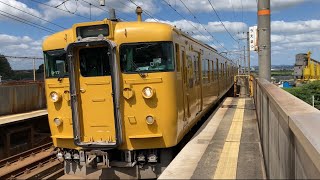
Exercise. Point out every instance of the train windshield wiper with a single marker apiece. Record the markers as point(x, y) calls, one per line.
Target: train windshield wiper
point(141, 74)
point(62, 76)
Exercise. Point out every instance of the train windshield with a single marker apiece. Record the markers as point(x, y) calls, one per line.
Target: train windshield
point(146, 57)
point(56, 63)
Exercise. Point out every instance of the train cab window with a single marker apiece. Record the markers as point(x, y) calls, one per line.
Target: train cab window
point(147, 57)
point(94, 62)
point(56, 63)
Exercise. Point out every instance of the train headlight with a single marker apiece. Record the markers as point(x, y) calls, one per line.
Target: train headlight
point(57, 121)
point(55, 97)
point(147, 92)
point(149, 119)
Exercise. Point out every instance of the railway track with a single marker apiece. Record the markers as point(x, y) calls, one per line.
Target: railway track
point(36, 163)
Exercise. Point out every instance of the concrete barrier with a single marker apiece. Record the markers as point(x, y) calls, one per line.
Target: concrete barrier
point(22, 97)
point(289, 131)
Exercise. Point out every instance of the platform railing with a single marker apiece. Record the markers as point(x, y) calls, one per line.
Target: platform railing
point(289, 131)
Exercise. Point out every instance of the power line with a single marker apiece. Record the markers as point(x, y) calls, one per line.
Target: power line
point(221, 21)
point(34, 15)
point(202, 24)
point(26, 22)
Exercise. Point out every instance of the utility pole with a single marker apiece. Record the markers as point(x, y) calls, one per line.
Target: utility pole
point(244, 60)
point(264, 42)
point(248, 52)
point(34, 70)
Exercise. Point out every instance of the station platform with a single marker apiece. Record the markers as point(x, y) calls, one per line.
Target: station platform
point(227, 146)
point(13, 118)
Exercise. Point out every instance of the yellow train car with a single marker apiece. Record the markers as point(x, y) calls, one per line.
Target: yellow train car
point(120, 95)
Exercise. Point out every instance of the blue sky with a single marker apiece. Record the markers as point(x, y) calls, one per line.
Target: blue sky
point(295, 23)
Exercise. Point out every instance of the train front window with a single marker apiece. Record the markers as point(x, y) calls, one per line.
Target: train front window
point(56, 63)
point(146, 57)
point(94, 62)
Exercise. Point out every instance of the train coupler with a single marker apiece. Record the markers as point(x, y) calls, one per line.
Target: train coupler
point(94, 158)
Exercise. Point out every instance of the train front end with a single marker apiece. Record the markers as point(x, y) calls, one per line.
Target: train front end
point(111, 97)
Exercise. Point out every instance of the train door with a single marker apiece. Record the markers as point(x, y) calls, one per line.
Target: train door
point(185, 85)
point(97, 119)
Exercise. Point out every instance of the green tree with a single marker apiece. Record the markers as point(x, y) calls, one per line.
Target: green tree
point(306, 92)
point(40, 69)
point(5, 68)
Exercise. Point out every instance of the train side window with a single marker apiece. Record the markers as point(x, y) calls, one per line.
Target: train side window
point(222, 70)
point(217, 68)
point(208, 71)
point(204, 71)
point(212, 70)
point(177, 56)
point(226, 69)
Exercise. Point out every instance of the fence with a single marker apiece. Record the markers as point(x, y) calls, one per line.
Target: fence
point(289, 131)
point(21, 97)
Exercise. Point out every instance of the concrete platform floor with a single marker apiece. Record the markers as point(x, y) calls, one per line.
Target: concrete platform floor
point(12, 118)
point(227, 146)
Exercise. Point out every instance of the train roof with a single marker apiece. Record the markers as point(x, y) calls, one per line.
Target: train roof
point(61, 39)
point(58, 40)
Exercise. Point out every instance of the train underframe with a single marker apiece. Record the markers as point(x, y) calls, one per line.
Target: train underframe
point(114, 164)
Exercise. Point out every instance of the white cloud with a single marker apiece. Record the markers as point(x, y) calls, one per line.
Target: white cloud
point(17, 47)
point(83, 8)
point(295, 26)
point(5, 39)
point(12, 6)
point(21, 46)
point(295, 35)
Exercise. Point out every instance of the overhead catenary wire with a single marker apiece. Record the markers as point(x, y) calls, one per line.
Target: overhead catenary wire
point(34, 15)
point(44, 4)
point(221, 21)
point(16, 18)
point(181, 15)
point(61, 3)
point(195, 17)
point(99, 8)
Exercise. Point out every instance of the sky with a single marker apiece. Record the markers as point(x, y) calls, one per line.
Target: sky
point(295, 24)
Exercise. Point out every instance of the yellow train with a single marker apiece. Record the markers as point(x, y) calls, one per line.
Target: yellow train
point(120, 95)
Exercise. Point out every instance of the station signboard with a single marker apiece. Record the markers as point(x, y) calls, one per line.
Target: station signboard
point(253, 38)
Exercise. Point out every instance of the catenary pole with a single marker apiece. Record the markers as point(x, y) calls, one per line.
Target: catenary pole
point(248, 52)
point(264, 43)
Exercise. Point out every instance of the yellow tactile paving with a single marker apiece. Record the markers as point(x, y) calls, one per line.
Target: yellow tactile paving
point(227, 165)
